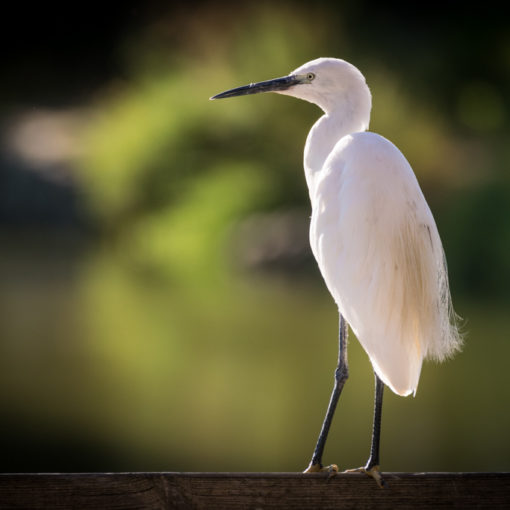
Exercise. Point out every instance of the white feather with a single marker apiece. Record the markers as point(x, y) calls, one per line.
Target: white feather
point(372, 232)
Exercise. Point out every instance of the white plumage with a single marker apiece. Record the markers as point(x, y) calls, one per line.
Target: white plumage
point(372, 232)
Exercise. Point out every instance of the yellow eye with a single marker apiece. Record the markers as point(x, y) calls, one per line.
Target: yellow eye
point(310, 76)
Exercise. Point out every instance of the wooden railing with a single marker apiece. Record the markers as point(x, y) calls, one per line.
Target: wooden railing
point(211, 491)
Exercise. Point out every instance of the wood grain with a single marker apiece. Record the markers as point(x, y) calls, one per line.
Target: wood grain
point(254, 491)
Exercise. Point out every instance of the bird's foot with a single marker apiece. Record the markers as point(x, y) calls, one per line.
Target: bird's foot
point(319, 468)
point(373, 472)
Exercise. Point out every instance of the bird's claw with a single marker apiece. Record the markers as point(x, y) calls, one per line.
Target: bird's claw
point(373, 472)
point(319, 468)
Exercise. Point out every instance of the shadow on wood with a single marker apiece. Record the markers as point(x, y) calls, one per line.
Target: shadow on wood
point(254, 491)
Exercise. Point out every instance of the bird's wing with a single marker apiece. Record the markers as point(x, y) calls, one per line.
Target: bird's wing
point(379, 251)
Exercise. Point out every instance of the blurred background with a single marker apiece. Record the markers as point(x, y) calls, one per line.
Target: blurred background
point(159, 305)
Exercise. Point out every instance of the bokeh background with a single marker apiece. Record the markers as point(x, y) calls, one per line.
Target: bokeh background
point(159, 305)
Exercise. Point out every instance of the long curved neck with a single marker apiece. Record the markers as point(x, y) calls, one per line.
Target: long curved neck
point(323, 137)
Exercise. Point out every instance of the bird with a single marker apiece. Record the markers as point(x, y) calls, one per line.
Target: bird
point(374, 238)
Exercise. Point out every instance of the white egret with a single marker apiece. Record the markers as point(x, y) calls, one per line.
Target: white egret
point(374, 239)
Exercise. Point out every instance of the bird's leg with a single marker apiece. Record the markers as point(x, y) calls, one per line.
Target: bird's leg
point(373, 460)
point(341, 375)
point(372, 466)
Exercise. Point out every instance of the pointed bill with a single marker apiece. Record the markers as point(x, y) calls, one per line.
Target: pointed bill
point(276, 85)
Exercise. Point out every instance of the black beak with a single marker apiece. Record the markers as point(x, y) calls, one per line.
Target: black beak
point(262, 86)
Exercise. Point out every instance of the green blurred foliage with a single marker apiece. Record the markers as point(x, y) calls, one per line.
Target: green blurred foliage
point(168, 170)
point(157, 152)
point(149, 348)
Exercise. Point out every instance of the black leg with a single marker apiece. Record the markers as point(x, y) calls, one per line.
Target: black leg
point(372, 466)
point(376, 430)
point(341, 375)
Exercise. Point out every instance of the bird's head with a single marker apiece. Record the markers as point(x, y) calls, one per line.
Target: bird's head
point(326, 82)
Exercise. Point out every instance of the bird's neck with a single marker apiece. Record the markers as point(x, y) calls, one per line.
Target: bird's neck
point(323, 137)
